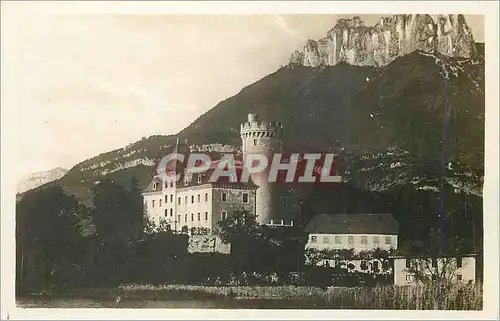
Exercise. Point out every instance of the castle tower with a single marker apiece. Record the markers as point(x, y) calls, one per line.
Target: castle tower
point(262, 137)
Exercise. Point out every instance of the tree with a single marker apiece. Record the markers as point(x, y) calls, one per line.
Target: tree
point(440, 270)
point(260, 248)
point(135, 204)
point(241, 231)
point(238, 227)
point(164, 226)
point(118, 212)
point(313, 256)
point(149, 225)
point(48, 239)
point(119, 220)
point(200, 231)
point(435, 261)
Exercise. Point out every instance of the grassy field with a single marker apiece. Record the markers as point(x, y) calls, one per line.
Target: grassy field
point(275, 297)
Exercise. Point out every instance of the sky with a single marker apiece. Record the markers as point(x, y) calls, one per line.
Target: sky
point(81, 85)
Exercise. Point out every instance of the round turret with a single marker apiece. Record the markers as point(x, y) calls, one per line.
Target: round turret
point(262, 137)
point(252, 117)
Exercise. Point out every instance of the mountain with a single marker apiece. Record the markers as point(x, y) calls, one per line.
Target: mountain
point(375, 96)
point(385, 123)
point(351, 41)
point(40, 178)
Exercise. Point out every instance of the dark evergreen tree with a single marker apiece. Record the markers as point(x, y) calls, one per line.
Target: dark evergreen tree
point(48, 240)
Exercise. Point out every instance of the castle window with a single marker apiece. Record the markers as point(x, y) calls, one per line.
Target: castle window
point(459, 277)
point(165, 213)
point(178, 218)
point(314, 239)
point(179, 201)
point(199, 198)
point(326, 239)
point(375, 266)
point(408, 277)
point(199, 218)
point(192, 217)
point(408, 263)
point(171, 212)
point(459, 262)
point(364, 265)
point(206, 216)
point(166, 184)
point(350, 239)
point(185, 199)
point(171, 198)
point(255, 142)
point(166, 199)
point(199, 179)
point(206, 197)
point(153, 203)
point(159, 202)
point(192, 199)
point(388, 240)
point(364, 240)
point(171, 183)
point(338, 240)
point(224, 197)
point(185, 217)
point(245, 198)
point(376, 239)
point(223, 215)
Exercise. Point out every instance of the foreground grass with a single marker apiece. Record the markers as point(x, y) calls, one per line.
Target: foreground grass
point(425, 297)
point(466, 297)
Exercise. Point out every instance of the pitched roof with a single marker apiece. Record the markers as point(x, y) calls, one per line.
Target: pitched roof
point(150, 188)
point(222, 182)
point(353, 224)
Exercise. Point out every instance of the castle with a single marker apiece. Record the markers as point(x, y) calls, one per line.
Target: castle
point(192, 202)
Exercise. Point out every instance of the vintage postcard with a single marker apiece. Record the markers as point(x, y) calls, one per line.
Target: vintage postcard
point(249, 160)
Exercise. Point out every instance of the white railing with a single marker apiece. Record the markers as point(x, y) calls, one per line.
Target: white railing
point(279, 223)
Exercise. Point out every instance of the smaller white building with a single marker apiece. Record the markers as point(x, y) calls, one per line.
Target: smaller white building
point(360, 232)
point(355, 232)
point(460, 269)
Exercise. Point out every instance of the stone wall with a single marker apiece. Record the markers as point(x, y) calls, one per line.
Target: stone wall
point(207, 244)
point(233, 203)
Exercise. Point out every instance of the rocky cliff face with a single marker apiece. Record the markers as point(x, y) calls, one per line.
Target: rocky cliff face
point(352, 42)
point(40, 178)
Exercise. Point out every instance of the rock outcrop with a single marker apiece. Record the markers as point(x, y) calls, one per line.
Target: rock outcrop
point(40, 178)
point(352, 42)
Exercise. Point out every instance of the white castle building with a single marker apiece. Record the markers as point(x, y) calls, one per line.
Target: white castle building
point(198, 203)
